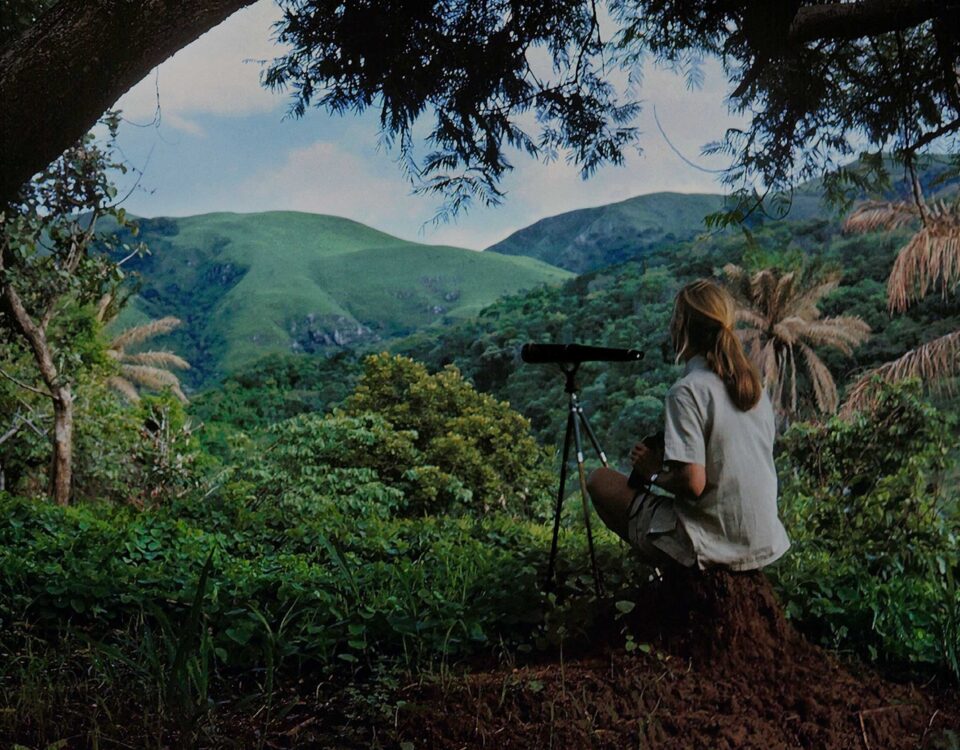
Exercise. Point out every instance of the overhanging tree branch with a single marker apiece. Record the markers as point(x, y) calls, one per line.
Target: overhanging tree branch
point(950, 127)
point(21, 384)
point(846, 20)
point(64, 72)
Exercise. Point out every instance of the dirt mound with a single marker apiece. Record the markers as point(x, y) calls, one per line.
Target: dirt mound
point(726, 670)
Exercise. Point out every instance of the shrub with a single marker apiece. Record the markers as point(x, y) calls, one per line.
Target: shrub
point(459, 432)
point(874, 526)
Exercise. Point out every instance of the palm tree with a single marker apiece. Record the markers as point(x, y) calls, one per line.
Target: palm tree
point(142, 369)
point(930, 259)
point(782, 319)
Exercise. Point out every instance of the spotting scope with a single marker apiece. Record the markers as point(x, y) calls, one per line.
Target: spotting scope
point(538, 354)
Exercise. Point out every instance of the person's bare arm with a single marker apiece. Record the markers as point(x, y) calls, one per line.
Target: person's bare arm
point(683, 479)
point(675, 477)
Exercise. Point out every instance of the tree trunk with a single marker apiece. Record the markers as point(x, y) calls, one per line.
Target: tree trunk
point(61, 466)
point(58, 392)
point(63, 73)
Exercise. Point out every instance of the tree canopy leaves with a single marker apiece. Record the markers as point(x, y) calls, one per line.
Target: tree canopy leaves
point(818, 82)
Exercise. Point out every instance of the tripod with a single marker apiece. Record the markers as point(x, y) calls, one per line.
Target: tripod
point(575, 419)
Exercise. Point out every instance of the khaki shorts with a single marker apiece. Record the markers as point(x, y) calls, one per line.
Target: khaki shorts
point(654, 529)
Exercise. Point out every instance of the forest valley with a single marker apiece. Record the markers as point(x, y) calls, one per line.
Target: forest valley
point(351, 549)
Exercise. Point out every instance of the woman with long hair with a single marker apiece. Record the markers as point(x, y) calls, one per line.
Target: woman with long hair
point(716, 459)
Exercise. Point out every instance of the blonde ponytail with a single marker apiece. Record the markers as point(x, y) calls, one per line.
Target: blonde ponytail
point(703, 320)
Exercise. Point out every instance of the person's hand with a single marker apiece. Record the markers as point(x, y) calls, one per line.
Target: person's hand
point(646, 460)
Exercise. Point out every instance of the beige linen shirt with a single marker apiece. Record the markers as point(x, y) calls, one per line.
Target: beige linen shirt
point(734, 523)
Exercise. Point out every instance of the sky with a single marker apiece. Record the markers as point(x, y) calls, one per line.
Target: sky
point(203, 135)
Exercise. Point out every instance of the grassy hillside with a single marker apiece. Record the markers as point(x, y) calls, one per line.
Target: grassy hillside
point(247, 285)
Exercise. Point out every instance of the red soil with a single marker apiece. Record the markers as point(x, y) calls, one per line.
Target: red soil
point(731, 674)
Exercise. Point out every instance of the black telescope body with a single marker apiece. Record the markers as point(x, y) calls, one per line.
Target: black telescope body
point(538, 354)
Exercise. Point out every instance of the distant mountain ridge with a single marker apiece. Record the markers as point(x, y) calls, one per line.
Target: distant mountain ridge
point(246, 285)
point(591, 238)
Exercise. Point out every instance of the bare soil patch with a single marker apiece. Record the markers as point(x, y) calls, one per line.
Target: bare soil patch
point(725, 670)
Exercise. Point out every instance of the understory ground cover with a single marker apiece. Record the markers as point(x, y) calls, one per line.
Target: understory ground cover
point(376, 575)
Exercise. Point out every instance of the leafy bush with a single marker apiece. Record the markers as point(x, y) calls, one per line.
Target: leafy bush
point(274, 388)
point(875, 527)
point(311, 583)
point(469, 437)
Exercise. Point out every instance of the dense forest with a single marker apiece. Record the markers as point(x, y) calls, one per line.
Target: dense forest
point(283, 480)
point(373, 516)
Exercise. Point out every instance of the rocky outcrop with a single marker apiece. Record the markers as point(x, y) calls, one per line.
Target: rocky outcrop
point(318, 333)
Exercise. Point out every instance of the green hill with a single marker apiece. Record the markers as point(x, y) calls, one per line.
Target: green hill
point(592, 238)
point(247, 285)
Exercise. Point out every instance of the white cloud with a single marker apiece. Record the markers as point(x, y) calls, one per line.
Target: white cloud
point(325, 178)
point(367, 187)
point(350, 177)
point(217, 74)
point(343, 172)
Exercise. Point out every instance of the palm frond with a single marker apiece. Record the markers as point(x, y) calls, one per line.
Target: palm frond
point(785, 333)
point(873, 215)
point(931, 258)
point(843, 332)
point(776, 376)
point(824, 386)
point(805, 302)
point(767, 363)
point(780, 311)
point(793, 380)
point(751, 318)
point(165, 360)
point(151, 377)
point(124, 387)
point(141, 333)
point(763, 292)
point(738, 280)
point(784, 293)
point(936, 363)
point(103, 306)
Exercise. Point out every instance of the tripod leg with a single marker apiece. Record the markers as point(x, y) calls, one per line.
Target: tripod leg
point(591, 434)
point(571, 420)
point(586, 505)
